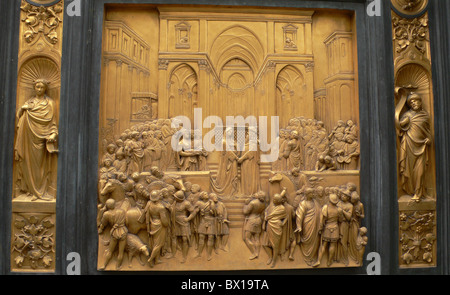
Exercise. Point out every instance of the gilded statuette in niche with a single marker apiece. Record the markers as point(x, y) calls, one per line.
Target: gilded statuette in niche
point(415, 139)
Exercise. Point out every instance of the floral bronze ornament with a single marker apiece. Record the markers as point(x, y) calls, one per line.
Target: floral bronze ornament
point(33, 244)
point(410, 32)
point(417, 237)
point(43, 20)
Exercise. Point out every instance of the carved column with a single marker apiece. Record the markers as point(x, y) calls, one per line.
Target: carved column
point(118, 93)
point(309, 80)
point(271, 87)
point(36, 137)
point(104, 89)
point(203, 87)
point(414, 121)
point(163, 88)
point(206, 86)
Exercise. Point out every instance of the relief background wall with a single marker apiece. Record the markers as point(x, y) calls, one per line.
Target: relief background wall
point(79, 115)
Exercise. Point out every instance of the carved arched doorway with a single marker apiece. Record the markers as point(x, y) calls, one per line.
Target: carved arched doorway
point(290, 94)
point(182, 92)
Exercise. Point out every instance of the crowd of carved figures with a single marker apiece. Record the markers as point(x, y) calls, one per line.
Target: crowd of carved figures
point(174, 213)
point(138, 195)
point(305, 144)
point(180, 215)
point(149, 144)
point(320, 220)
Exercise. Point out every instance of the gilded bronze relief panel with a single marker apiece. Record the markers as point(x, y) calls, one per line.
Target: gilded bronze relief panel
point(229, 139)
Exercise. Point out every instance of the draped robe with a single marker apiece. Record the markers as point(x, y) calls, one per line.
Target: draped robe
point(136, 154)
point(308, 220)
point(36, 155)
point(157, 220)
point(413, 153)
point(226, 181)
point(250, 180)
point(355, 223)
point(275, 216)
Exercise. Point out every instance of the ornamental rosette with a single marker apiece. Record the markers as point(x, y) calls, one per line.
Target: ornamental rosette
point(34, 242)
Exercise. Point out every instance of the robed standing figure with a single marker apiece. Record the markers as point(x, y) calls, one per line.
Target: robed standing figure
point(226, 183)
point(415, 139)
point(249, 162)
point(35, 147)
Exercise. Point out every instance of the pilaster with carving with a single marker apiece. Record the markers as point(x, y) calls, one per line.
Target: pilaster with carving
point(36, 137)
point(414, 118)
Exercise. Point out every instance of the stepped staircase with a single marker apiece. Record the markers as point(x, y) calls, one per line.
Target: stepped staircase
point(235, 214)
point(235, 206)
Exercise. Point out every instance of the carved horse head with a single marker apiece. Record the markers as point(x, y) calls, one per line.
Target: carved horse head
point(113, 189)
point(279, 180)
point(175, 180)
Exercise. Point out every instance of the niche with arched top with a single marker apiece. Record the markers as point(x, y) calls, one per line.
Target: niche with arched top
point(291, 91)
point(237, 42)
point(182, 91)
